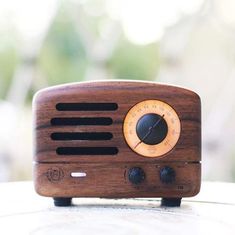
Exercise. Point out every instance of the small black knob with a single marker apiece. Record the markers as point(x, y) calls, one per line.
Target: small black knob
point(136, 175)
point(167, 175)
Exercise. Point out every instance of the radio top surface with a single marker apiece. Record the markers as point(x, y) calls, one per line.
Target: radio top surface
point(117, 121)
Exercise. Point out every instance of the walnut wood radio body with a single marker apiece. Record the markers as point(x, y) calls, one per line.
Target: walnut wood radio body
point(117, 139)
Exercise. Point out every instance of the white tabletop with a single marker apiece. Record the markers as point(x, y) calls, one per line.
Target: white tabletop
point(22, 211)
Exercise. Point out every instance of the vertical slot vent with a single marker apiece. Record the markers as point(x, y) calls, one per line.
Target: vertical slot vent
point(86, 106)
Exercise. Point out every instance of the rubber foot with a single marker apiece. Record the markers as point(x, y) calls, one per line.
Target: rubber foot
point(62, 201)
point(171, 202)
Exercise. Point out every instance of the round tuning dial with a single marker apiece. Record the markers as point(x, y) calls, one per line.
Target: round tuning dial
point(151, 128)
point(136, 175)
point(167, 175)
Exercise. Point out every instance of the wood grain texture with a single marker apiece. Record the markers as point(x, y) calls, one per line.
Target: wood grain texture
point(126, 94)
point(111, 180)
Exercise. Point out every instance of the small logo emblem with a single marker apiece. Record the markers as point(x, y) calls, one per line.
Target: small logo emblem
point(55, 174)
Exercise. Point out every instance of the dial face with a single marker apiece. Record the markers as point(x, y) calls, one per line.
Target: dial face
point(151, 128)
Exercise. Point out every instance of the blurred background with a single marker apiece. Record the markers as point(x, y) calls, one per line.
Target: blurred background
point(181, 42)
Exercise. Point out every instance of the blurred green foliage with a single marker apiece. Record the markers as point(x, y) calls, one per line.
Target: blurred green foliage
point(131, 61)
point(8, 62)
point(63, 59)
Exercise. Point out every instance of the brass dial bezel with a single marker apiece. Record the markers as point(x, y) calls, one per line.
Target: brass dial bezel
point(152, 106)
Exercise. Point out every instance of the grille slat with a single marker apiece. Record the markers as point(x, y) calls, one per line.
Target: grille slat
point(86, 106)
point(74, 121)
point(87, 151)
point(81, 136)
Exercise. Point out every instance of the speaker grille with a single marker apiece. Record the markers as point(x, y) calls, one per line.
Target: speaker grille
point(87, 138)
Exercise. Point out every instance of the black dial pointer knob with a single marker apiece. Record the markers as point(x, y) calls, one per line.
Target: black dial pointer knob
point(151, 128)
point(136, 175)
point(167, 175)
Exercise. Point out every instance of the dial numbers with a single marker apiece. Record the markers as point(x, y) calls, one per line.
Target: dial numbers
point(150, 107)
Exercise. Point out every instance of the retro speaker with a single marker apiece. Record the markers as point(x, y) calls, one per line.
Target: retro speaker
point(117, 139)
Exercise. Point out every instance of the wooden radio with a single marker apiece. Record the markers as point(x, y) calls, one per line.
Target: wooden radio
point(117, 139)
